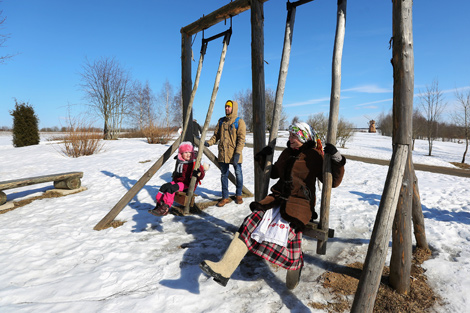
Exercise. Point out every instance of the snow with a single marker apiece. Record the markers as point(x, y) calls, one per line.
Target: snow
point(51, 259)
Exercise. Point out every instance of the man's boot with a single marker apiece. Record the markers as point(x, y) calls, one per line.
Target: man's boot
point(222, 270)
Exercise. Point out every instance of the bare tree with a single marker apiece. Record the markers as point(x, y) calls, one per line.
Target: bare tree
point(244, 99)
point(345, 132)
point(385, 124)
point(432, 103)
point(177, 108)
point(295, 119)
point(419, 124)
point(3, 39)
point(107, 86)
point(142, 105)
point(462, 117)
point(319, 122)
point(245, 107)
point(165, 100)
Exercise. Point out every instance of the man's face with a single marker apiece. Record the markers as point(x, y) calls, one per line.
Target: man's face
point(228, 109)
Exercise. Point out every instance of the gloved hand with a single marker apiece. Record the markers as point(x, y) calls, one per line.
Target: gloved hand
point(236, 158)
point(331, 150)
point(206, 144)
point(260, 157)
point(169, 188)
point(197, 173)
point(256, 206)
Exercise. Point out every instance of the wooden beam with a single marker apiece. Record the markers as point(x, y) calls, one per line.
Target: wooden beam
point(368, 286)
point(232, 9)
point(258, 87)
point(281, 84)
point(333, 119)
point(186, 83)
point(137, 187)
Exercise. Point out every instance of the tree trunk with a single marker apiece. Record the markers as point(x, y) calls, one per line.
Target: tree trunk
point(418, 217)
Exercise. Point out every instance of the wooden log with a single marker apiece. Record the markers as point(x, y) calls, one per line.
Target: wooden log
point(215, 89)
point(400, 261)
point(232, 9)
point(418, 217)
point(403, 72)
point(3, 198)
point(137, 187)
point(281, 84)
point(69, 183)
point(258, 87)
point(186, 90)
point(376, 253)
point(15, 183)
point(333, 119)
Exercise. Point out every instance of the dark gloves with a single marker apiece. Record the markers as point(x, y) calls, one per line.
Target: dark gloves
point(236, 158)
point(331, 150)
point(169, 188)
point(197, 173)
point(206, 144)
point(256, 206)
point(260, 157)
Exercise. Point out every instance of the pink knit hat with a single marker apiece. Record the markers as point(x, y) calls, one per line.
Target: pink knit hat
point(185, 146)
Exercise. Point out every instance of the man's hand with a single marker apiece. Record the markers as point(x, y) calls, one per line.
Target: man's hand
point(236, 158)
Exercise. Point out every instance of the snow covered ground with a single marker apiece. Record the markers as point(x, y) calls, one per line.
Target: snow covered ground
point(51, 259)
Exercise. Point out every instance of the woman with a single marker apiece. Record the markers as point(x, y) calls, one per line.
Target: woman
point(274, 229)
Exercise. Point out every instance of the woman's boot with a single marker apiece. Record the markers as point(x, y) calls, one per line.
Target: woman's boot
point(222, 270)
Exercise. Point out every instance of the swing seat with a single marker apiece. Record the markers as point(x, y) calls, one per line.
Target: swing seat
point(311, 230)
point(182, 198)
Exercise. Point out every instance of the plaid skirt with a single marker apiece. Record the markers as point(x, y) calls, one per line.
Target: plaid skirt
point(289, 257)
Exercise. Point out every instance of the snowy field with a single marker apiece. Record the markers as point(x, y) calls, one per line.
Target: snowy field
point(51, 259)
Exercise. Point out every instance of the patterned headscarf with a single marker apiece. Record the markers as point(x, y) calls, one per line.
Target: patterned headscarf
point(303, 131)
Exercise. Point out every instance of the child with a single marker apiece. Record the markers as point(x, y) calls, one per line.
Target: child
point(184, 170)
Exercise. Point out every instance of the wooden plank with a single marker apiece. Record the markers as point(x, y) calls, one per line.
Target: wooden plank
point(368, 286)
point(186, 88)
point(232, 9)
point(137, 187)
point(333, 119)
point(258, 95)
point(38, 180)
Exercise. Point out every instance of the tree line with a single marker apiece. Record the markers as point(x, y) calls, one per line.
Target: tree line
point(428, 121)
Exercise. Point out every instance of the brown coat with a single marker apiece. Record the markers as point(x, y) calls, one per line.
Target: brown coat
point(230, 140)
point(304, 166)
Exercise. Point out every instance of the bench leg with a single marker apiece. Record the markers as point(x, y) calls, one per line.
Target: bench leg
point(3, 198)
point(69, 183)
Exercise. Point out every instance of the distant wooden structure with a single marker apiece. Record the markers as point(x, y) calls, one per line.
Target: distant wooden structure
point(372, 128)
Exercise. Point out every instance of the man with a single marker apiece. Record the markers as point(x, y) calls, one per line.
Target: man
point(230, 132)
point(197, 130)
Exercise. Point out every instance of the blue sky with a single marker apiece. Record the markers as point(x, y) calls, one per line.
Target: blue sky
point(53, 37)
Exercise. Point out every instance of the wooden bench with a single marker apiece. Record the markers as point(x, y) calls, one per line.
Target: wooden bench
point(182, 199)
point(69, 180)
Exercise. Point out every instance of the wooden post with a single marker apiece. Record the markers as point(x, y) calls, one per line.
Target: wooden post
point(372, 272)
point(281, 84)
point(333, 120)
point(400, 262)
point(418, 218)
point(258, 95)
point(192, 184)
point(137, 187)
point(187, 118)
point(186, 89)
point(403, 77)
